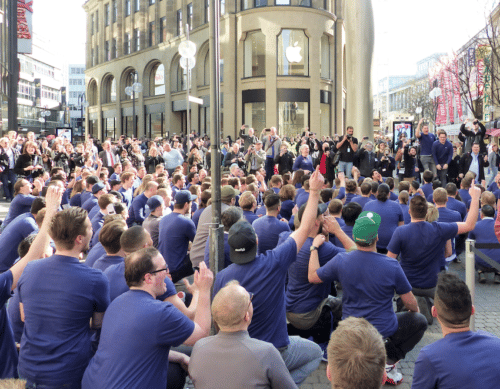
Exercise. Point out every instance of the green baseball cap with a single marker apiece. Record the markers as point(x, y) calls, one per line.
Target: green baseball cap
point(366, 227)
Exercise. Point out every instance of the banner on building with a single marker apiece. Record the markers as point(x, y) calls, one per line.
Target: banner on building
point(456, 90)
point(448, 93)
point(471, 56)
point(441, 107)
point(25, 26)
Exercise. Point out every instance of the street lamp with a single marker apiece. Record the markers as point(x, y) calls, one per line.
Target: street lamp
point(43, 119)
point(187, 50)
point(434, 95)
point(131, 91)
point(83, 103)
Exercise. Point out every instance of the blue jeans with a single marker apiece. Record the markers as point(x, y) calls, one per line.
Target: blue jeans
point(8, 189)
point(345, 167)
point(301, 358)
point(494, 171)
point(428, 164)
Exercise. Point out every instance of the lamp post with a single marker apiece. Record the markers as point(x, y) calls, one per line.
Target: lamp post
point(131, 91)
point(43, 119)
point(434, 95)
point(187, 50)
point(83, 103)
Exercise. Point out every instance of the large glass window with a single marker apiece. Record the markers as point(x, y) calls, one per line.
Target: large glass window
point(293, 53)
point(324, 119)
point(110, 128)
point(126, 44)
point(106, 14)
point(255, 115)
point(325, 57)
point(179, 22)
point(181, 78)
point(260, 3)
point(127, 7)
point(115, 11)
point(109, 90)
point(246, 4)
point(255, 54)
point(293, 117)
point(159, 80)
point(206, 69)
point(282, 2)
point(163, 29)
point(137, 39)
point(152, 34)
point(189, 16)
point(155, 125)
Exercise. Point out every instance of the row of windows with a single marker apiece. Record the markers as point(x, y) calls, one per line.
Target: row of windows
point(76, 81)
point(77, 70)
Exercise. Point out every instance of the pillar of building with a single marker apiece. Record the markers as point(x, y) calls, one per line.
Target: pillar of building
point(359, 26)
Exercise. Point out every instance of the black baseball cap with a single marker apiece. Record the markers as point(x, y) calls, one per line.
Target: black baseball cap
point(242, 241)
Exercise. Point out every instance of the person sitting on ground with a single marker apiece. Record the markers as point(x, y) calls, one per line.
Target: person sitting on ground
point(216, 361)
point(356, 356)
point(361, 282)
point(350, 213)
point(110, 239)
point(462, 358)
point(156, 205)
point(362, 199)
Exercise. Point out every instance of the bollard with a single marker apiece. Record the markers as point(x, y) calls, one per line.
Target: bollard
point(470, 274)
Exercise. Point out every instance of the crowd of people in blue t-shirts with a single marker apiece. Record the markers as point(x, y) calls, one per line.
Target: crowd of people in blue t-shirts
point(315, 230)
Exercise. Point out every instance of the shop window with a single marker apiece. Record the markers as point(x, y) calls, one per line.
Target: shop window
point(325, 57)
point(255, 54)
point(293, 53)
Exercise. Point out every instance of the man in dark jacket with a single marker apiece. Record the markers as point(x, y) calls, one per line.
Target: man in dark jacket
point(284, 159)
point(8, 157)
point(367, 159)
point(474, 162)
point(476, 135)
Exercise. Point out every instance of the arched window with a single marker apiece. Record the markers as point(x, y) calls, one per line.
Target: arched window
point(128, 80)
point(293, 53)
point(92, 93)
point(206, 69)
point(157, 80)
point(181, 78)
point(109, 90)
point(255, 54)
point(325, 57)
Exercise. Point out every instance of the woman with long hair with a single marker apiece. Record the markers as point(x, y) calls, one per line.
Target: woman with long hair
point(29, 163)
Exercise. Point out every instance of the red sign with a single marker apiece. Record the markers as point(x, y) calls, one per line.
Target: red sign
point(24, 25)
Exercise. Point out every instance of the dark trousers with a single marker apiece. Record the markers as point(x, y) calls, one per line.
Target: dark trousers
point(8, 178)
point(184, 271)
point(269, 168)
point(176, 376)
point(411, 328)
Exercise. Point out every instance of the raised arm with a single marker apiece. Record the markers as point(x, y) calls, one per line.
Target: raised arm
point(417, 131)
point(471, 220)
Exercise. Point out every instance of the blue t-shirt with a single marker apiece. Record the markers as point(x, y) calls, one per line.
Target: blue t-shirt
point(118, 285)
point(94, 254)
point(89, 204)
point(268, 229)
point(136, 336)
point(421, 245)
point(369, 281)
point(59, 296)
point(393, 196)
point(426, 142)
point(301, 198)
point(286, 209)
point(93, 212)
point(261, 211)
point(361, 200)
point(303, 163)
point(250, 216)
point(138, 209)
point(85, 196)
point(21, 204)
point(458, 206)
point(484, 232)
point(465, 196)
point(196, 216)
point(349, 197)
point(15, 316)
point(176, 231)
point(427, 189)
point(227, 252)
point(14, 233)
point(391, 214)
point(265, 278)
point(302, 296)
point(106, 261)
point(459, 360)
point(348, 231)
point(406, 213)
point(127, 194)
point(8, 351)
point(76, 200)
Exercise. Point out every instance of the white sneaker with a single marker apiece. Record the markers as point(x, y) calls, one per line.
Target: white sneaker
point(394, 377)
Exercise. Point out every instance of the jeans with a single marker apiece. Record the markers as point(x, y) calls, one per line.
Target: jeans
point(269, 168)
point(428, 163)
point(494, 172)
point(301, 358)
point(345, 167)
point(411, 328)
point(442, 174)
point(6, 177)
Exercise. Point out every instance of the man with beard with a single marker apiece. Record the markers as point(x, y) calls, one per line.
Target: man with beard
point(59, 297)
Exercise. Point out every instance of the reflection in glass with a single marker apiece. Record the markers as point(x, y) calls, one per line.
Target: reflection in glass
point(159, 80)
point(255, 54)
point(293, 117)
point(156, 125)
point(255, 115)
point(293, 53)
point(110, 128)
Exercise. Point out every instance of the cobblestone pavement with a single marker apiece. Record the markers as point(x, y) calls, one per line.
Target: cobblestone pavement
point(487, 318)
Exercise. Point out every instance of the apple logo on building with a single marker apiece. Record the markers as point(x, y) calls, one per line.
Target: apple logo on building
point(293, 53)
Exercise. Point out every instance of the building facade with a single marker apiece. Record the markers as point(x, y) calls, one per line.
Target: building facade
point(282, 64)
point(75, 86)
point(4, 65)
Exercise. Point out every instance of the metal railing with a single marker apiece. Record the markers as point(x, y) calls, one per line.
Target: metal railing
point(471, 250)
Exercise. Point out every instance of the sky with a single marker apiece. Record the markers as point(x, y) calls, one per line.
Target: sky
point(406, 31)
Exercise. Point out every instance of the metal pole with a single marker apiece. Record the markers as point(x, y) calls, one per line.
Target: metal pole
point(217, 237)
point(470, 274)
point(134, 131)
point(13, 66)
point(188, 104)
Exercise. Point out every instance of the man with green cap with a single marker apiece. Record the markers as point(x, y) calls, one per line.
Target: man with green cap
point(369, 281)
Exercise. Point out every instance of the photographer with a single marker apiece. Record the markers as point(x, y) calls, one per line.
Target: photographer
point(234, 156)
point(325, 162)
point(250, 139)
point(367, 158)
point(256, 157)
point(476, 135)
point(386, 162)
point(410, 162)
point(347, 148)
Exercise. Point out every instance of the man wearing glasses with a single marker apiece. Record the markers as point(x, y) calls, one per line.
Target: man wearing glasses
point(138, 330)
point(232, 359)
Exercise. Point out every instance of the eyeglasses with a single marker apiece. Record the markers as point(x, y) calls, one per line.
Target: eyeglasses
point(250, 302)
point(158, 271)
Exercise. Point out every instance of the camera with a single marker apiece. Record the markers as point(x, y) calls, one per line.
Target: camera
point(349, 136)
point(327, 149)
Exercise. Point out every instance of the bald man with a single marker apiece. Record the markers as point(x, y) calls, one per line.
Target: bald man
point(217, 361)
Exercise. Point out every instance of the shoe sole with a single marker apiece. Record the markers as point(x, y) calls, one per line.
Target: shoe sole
point(390, 381)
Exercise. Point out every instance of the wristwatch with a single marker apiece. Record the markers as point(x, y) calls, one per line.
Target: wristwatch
point(312, 248)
